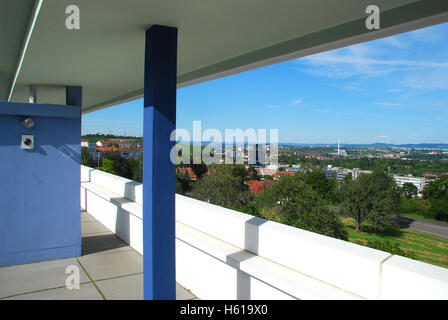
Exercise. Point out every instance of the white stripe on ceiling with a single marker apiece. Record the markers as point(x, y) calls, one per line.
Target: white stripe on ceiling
point(37, 7)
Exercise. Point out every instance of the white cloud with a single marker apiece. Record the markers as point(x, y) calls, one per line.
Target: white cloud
point(414, 135)
point(366, 60)
point(430, 34)
point(388, 104)
point(396, 42)
point(296, 102)
point(394, 90)
point(428, 80)
point(273, 107)
point(350, 87)
point(333, 57)
point(382, 137)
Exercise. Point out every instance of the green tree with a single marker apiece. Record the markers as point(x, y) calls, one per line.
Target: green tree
point(372, 198)
point(222, 187)
point(121, 166)
point(322, 220)
point(199, 169)
point(183, 183)
point(238, 170)
point(416, 206)
point(86, 158)
point(292, 201)
point(289, 197)
point(252, 174)
point(409, 190)
point(437, 195)
point(112, 155)
point(324, 186)
point(137, 168)
point(108, 166)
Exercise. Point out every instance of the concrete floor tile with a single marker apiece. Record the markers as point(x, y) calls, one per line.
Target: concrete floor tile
point(104, 265)
point(25, 278)
point(86, 291)
point(183, 294)
point(85, 217)
point(93, 228)
point(123, 288)
point(131, 288)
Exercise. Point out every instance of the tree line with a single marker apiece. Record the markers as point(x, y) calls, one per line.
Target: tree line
point(399, 166)
point(114, 163)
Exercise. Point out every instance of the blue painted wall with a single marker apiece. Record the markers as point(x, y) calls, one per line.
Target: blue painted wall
point(40, 188)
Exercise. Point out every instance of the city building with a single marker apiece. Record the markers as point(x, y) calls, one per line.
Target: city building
point(355, 173)
point(127, 153)
point(116, 143)
point(188, 171)
point(91, 146)
point(256, 186)
point(419, 182)
point(429, 175)
point(330, 173)
point(341, 173)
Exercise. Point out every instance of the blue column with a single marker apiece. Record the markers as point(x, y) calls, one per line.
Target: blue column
point(73, 96)
point(159, 276)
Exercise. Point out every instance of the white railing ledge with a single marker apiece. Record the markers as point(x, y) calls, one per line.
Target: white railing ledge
point(408, 279)
point(117, 199)
point(129, 189)
point(291, 282)
point(346, 265)
point(254, 245)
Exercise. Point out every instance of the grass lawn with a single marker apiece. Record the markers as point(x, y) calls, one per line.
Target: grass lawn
point(425, 248)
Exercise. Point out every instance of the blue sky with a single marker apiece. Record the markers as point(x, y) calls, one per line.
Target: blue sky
point(392, 90)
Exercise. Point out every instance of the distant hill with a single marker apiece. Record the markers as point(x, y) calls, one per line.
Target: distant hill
point(99, 136)
point(372, 145)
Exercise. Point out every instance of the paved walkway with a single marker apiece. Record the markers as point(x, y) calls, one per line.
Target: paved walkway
point(437, 229)
point(109, 269)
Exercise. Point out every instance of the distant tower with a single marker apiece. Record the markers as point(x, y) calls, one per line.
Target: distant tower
point(339, 147)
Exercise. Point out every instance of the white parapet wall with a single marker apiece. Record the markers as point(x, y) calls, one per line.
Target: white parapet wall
point(225, 254)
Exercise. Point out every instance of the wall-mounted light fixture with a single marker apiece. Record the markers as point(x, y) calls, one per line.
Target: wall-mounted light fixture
point(28, 123)
point(27, 142)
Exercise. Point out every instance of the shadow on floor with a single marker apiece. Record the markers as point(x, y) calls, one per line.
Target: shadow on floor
point(103, 242)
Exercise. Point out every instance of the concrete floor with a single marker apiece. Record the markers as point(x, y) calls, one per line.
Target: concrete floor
point(108, 269)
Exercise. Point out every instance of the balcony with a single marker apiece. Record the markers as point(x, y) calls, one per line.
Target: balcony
point(220, 254)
